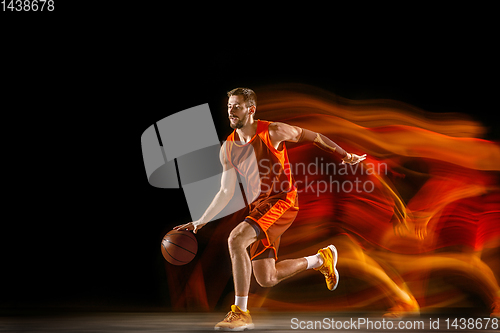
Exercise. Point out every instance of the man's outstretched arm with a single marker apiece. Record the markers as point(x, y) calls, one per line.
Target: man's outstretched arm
point(283, 132)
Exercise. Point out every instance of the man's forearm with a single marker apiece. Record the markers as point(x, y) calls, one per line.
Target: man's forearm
point(220, 201)
point(322, 142)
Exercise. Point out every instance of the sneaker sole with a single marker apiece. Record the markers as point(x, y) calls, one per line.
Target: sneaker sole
point(334, 251)
point(236, 329)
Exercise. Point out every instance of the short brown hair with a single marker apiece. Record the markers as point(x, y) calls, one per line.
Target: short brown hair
point(248, 95)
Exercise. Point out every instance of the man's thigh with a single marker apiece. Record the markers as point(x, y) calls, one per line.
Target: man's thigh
point(263, 268)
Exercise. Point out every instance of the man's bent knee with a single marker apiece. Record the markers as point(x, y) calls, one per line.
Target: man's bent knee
point(267, 281)
point(265, 272)
point(242, 236)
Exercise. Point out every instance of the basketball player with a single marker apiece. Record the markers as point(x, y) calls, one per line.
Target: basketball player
point(256, 150)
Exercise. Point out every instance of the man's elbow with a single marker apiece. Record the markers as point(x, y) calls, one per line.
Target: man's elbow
point(227, 192)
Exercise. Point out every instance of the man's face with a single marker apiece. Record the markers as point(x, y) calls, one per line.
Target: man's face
point(237, 111)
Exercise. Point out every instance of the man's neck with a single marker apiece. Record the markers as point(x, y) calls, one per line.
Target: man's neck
point(247, 132)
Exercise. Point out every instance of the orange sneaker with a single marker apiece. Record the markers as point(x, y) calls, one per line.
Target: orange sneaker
point(403, 309)
point(236, 320)
point(329, 269)
point(495, 308)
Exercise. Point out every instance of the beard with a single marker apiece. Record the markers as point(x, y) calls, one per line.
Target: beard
point(239, 124)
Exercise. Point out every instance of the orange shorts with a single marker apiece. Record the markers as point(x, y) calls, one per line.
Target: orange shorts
point(270, 219)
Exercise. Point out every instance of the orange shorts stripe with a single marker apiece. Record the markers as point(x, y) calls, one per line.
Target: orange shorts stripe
point(269, 219)
point(273, 214)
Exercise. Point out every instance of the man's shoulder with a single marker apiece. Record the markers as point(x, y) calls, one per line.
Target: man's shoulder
point(277, 126)
point(230, 137)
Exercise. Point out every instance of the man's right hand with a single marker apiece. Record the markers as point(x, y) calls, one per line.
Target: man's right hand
point(195, 226)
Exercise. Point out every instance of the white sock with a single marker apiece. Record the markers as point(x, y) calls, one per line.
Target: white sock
point(241, 302)
point(314, 261)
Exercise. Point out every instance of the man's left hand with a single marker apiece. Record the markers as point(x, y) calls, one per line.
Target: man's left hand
point(353, 159)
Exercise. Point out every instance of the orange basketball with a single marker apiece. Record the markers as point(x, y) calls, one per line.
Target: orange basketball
point(179, 247)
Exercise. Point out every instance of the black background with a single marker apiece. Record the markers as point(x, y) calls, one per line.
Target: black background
point(82, 226)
